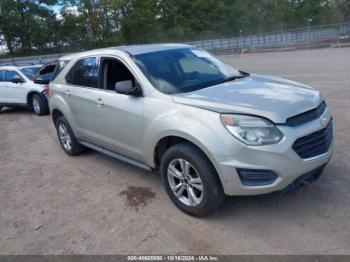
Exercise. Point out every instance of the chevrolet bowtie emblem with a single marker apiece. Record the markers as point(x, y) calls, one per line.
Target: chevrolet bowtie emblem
point(324, 119)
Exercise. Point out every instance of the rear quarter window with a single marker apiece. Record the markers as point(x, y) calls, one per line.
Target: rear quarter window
point(60, 66)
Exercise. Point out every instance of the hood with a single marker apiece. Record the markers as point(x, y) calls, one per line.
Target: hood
point(271, 97)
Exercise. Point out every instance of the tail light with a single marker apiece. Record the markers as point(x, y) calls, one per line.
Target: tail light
point(47, 90)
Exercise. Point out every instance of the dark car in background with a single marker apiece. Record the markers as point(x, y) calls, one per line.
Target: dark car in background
point(49, 71)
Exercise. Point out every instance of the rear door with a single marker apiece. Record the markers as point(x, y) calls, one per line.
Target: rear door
point(81, 94)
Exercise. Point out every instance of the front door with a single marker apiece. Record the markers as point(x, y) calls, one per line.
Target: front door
point(14, 93)
point(120, 121)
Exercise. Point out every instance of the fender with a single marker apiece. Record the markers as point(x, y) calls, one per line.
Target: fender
point(58, 103)
point(195, 125)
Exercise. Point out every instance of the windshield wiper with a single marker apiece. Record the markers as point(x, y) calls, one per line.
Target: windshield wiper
point(231, 78)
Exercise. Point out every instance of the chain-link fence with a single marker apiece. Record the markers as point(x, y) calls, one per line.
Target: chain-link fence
point(30, 60)
point(306, 36)
point(290, 37)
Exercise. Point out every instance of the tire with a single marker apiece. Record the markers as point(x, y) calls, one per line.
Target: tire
point(184, 155)
point(38, 105)
point(67, 138)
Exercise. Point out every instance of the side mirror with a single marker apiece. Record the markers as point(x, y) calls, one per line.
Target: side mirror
point(17, 80)
point(41, 81)
point(127, 88)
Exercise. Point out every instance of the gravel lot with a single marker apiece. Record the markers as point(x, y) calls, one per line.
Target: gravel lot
point(92, 204)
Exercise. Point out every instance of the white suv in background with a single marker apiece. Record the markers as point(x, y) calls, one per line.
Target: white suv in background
point(17, 89)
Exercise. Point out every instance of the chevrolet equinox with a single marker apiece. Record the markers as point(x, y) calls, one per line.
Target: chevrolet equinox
point(210, 129)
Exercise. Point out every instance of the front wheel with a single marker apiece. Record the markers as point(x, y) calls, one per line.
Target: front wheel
point(38, 105)
point(190, 180)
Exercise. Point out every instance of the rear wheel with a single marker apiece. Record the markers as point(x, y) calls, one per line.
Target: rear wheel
point(190, 180)
point(38, 105)
point(67, 138)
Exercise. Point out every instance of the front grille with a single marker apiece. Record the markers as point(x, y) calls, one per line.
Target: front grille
point(308, 116)
point(314, 144)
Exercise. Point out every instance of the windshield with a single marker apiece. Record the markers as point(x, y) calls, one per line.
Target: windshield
point(30, 72)
point(184, 70)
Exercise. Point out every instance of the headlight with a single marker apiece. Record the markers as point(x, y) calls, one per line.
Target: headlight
point(251, 130)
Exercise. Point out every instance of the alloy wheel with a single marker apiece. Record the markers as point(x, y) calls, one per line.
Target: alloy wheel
point(36, 105)
point(65, 137)
point(185, 182)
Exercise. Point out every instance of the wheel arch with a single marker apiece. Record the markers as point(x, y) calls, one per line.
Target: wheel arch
point(59, 107)
point(170, 140)
point(29, 97)
point(55, 114)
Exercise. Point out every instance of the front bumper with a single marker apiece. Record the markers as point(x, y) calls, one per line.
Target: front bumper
point(279, 158)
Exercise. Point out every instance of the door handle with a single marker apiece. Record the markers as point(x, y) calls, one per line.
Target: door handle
point(67, 92)
point(99, 102)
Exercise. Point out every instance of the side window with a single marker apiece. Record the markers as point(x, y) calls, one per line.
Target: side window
point(45, 73)
point(2, 75)
point(48, 69)
point(9, 75)
point(84, 73)
point(114, 71)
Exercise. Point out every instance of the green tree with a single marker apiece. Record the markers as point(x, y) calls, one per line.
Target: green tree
point(25, 24)
point(139, 20)
point(31, 26)
point(181, 19)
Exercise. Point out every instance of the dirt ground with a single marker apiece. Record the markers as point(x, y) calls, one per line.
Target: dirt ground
point(51, 203)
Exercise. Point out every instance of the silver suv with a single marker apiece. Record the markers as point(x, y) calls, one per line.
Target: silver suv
point(210, 129)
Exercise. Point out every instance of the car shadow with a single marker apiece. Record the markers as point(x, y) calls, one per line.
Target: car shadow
point(240, 207)
point(17, 110)
point(311, 199)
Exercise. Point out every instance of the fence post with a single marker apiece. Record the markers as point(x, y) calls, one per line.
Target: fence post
point(338, 35)
point(308, 32)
